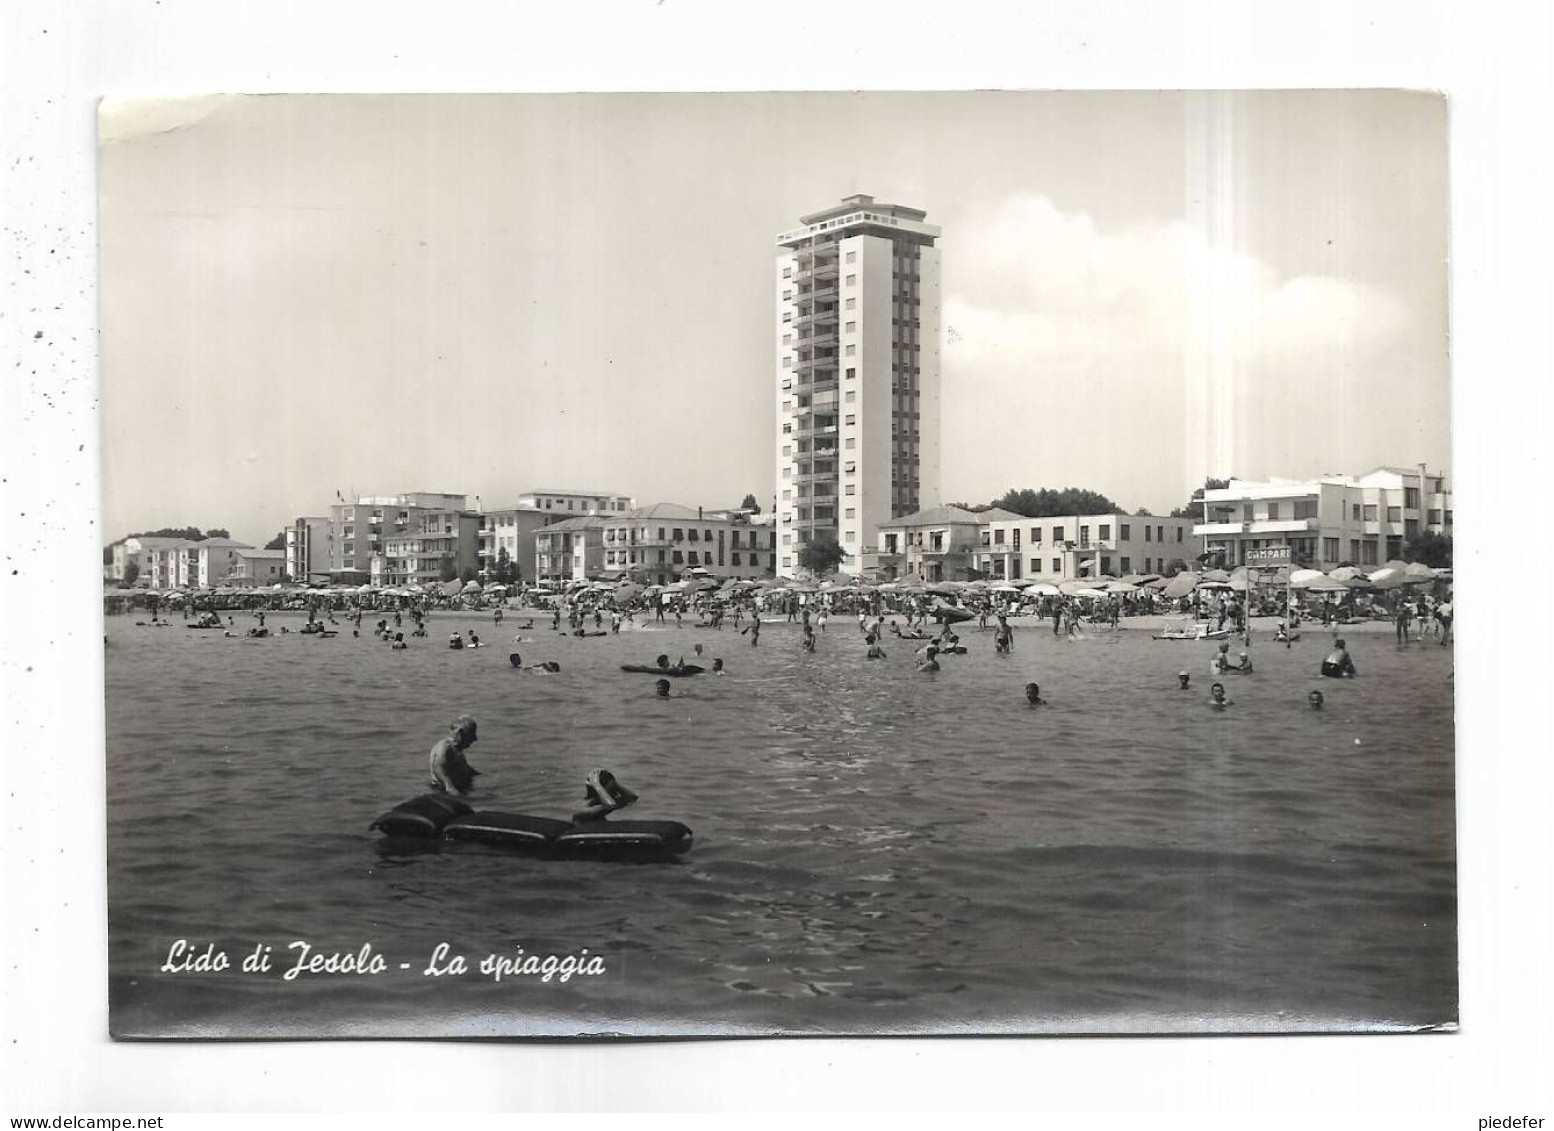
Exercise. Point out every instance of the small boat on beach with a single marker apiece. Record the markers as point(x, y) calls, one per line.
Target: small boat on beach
point(1191, 630)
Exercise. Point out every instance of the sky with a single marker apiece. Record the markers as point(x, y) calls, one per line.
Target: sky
point(305, 295)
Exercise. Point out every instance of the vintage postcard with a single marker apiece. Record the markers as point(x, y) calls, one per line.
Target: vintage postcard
point(750, 564)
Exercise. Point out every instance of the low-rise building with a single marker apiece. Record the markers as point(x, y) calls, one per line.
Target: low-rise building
point(1326, 522)
point(511, 531)
point(573, 503)
point(361, 528)
point(569, 550)
point(666, 541)
point(436, 545)
point(1075, 546)
point(147, 555)
point(207, 563)
point(258, 567)
point(937, 544)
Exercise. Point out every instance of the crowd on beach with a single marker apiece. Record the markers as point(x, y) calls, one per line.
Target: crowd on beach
point(924, 622)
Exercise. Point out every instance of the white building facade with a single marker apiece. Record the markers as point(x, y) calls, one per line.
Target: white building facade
point(572, 503)
point(857, 377)
point(1362, 520)
point(1069, 547)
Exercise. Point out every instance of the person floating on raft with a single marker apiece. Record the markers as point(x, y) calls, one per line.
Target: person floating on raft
point(1338, 665)
point(604, 795)
point(451, 771)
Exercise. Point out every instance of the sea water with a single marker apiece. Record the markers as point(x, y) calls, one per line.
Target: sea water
point(876, 850)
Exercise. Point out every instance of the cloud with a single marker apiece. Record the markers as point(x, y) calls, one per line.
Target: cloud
point(1069, 329)
point(1029, 281)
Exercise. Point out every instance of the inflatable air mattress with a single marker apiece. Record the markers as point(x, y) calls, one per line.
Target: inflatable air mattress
point(653, 669)
point(434, 816)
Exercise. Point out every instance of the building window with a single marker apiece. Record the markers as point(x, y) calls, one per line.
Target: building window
point(1434, 517)
point(850, 489)
point(1178, 532)
point(850, 418)
point(852, 257)
point(678, 557)
point(1127, 565)
point(1368, 552)
point(852, 304)
point(850, 512)
point(1124, 535)
point(851, 351)
point(852, 327)
point(1330, 549)
point(1370, 512)
point(1146, 533)
point(851, 443)
point(852, 396)
point(787, 449)
point(1394, 514)
point(734, 557)
point(787, 339)
point(1057, 534)
point(850, 467)
point(1354, 550)
point(852, 280)
point(1273, 512)
point(1057, 566)
point(1411, 498)
point(1106, 531)
point(1306, 508)
point(787, 272)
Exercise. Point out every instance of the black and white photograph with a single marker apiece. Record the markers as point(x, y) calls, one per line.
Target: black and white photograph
point(693, 565)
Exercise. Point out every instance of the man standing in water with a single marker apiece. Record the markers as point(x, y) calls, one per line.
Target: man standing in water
point(450, 769)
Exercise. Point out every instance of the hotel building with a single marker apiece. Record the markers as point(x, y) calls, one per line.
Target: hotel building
point(665, 542)
point(308, 544)
point(1068, 547)
point(361, 529)
point(568, 504)
point(1361, 520)
point(857, 376)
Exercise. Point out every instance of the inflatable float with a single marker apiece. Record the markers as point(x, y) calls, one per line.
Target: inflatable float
point(653, 669)
point(949, 614)
point(436, 816)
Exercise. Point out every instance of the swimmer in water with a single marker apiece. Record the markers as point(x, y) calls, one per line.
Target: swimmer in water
point(662, 690)
point(1221, 661)
point(1183, 680)
point(450, 769)
point(1315, 700)
point(875, 652)
point(1033, 695)
point(455, 641)
point(549, 667)
point(1217, 699)
point(717, 668)
point(399, 644)
point(604, 795)
point(1338, 665)
point(1245, 666)
point(696, 648)
point(928, 663)
point(474, 641)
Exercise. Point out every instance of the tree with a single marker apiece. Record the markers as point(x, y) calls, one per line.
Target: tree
point(218, 532)
point(446, 569)
point(750, 505)
point(821, 555)
point(1194, 508)
point(131, 572)
point(468, 575)
point(504, 573)
point(1047, 503)
point(1429, 548)
point(1176, 566)
point(277, 543)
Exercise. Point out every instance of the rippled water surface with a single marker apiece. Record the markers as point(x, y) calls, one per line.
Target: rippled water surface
point(876, 850)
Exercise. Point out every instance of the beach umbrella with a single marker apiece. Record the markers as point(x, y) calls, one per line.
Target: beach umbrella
point(1092, 593)
point(1043, 589)
point(1347, 573)
point(626, 591)
point(1316, 581)
point(1006, 588)
point(1121, 587)
point(1417, 571)
point(1215, 575)
point(1182, 584)
point(1072, 588)
point(1156, 584)
point(1215, 585)
point(1389, 577)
